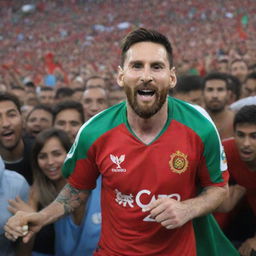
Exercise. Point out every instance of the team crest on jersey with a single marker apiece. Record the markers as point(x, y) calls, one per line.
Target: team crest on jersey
point(178, 162)
point(117, 160)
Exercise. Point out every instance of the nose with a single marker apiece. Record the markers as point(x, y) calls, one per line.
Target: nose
point(5, 121)
point(146, 76)
point(247, 141)
point(50, 160)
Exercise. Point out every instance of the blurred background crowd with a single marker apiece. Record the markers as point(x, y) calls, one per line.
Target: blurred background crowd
point(58, 66)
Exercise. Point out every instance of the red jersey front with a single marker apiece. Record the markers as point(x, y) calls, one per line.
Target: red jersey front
point(179, 161)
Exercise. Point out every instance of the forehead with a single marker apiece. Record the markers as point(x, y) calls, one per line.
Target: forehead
point(50, 143)
point(7, 105)
point(238, 64)
point(146, 52)
point(40, 112)
point(246, 127)
point(217, 83)
point(68, 114)
point(95, 93)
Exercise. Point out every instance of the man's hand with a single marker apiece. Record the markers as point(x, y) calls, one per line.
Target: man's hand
point(169, 212)
point(247, 247)
point(23, 224)
point(18, 204)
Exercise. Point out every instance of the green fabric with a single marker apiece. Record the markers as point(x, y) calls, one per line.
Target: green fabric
point(210, 240)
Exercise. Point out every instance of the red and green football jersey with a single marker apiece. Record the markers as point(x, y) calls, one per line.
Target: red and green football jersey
point(187, 155)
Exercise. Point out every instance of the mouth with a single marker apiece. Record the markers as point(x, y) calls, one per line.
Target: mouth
point(146, 92)
point(7, 134)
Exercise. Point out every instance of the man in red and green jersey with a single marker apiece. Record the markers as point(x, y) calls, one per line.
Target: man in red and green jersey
point(154, 154)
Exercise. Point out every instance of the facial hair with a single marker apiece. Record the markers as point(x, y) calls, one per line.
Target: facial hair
point(147, 111)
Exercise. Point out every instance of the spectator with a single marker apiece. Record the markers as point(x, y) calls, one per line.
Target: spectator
point(14, 148)
point(239, 69)
point(116, 95)
point(249, 86)
point(12, 185)
point(46, 95)
point(95, 99)
point(39, 119)
point(216, 96)
point(68, 116)
point(95, 81)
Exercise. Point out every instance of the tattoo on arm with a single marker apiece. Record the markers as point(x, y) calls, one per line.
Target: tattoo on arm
point(71, 198)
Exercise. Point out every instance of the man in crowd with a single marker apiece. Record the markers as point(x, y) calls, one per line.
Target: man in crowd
point(12, 185)
point(14, 149)
point(249, 85)
point(241, 159)
point(156, 143)
point(95, 81)
point(239, 69)
point(189, 88)
point(216, 97)
point(94, 100)
point(46, 95)
point(68, 116)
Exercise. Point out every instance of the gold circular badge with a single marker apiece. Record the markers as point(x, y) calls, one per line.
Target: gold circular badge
point(178, 162)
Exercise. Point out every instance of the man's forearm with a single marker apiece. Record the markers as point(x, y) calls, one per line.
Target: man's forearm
point(66, 202)
point(207, 201)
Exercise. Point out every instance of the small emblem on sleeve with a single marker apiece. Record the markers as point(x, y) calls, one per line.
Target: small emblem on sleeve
point(178, 162)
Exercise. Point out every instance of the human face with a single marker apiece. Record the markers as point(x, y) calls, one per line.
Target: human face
point(249, 88)
point(239, 69)
point(70, 121)
point(94, 101)
point(215, 95)
point(245, 137)
point(51, 157)
point(46, 97)
point(38, 121)
point(10, 125)
point(146, 78)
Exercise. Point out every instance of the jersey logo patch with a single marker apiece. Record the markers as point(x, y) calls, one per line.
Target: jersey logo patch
point(117, 160)
point(178, 162)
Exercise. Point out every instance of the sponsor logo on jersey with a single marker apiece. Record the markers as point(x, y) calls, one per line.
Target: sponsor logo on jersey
point(223, 160)
point(129, 200)
point(178, 162)
point(117, 160)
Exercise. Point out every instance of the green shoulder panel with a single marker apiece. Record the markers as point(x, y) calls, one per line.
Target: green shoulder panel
point(197, 119)
point(90, 132)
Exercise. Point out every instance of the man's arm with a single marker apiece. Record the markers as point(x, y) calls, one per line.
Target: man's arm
point(173, 214)
point(25, 225)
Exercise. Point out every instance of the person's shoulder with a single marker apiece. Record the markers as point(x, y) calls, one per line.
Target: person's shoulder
point(229, 144)
point(193, 116)
point(106, 119)
point(13, 177)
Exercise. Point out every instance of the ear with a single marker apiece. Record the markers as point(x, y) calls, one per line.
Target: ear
point(120, 77)
point(173, 78)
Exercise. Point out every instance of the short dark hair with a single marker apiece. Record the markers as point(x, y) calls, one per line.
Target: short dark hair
point(6, 96)
point(217, 76)
point(234, 85)
point(46, 88)
point(145, 35)
point(40, 106)
point(187, 83)
point(64, 105)
point(246, 114)
point(250, 76)
point(63, 92)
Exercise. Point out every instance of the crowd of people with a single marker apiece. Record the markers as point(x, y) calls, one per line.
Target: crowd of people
point(61, 67)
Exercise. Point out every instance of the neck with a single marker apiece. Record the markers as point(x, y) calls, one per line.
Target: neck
point(147, 129)
point(14, 154)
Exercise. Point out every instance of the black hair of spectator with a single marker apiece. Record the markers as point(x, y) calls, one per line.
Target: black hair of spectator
point(40, 106)
point(252, 68)
point(250, 76)
point(63, 92)
point(6, 96)
point(17, 87)
point(246, 114)
point(187, 83)
point(30, 85)
point(46, 88)
point(145, 35)
point(234, 85)
point(216, 76)
point(64, 105)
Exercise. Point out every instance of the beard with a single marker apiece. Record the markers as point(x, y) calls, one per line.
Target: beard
point(146, 111)
point(215, 108)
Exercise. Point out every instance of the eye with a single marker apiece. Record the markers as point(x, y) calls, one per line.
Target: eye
point(137, 65)
point(157, 66)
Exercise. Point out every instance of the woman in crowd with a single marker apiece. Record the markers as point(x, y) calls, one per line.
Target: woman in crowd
point(50, 149)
